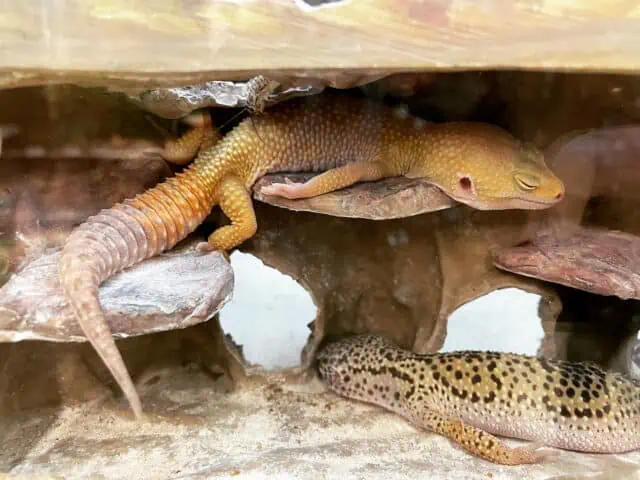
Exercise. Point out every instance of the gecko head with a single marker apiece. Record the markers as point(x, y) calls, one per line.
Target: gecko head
point(332, 363)
point(341, 361)
point(487, 169)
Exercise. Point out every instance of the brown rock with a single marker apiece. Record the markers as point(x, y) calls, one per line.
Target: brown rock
point(396, 197)
point(401, 278)
point(597, 261)
point(171, 291)
point(60, 43)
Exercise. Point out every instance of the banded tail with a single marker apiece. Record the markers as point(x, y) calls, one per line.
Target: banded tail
point(120, 237)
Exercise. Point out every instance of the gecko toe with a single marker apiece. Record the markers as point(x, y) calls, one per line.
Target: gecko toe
point(204, 247)
point(530, 454)
point(290, 191)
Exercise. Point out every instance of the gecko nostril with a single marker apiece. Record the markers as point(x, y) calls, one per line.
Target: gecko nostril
point(559, 196)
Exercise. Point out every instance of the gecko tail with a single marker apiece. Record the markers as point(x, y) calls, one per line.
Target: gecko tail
point(121, 237)
point(81, 285)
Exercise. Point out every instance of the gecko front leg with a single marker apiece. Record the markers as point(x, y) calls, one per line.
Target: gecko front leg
point(235, 202)
point(329, 181)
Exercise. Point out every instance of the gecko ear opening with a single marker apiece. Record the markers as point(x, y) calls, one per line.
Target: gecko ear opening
point(466, 184)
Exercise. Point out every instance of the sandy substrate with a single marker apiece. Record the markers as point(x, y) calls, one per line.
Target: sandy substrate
point(272, 428)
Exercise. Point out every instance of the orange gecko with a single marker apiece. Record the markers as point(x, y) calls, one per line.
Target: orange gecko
point(350, 139)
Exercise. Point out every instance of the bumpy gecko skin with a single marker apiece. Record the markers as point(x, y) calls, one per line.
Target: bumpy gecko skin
point(355, 140)
point(469, 395)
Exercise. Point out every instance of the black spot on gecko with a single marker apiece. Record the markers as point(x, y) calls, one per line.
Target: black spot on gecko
point(490, 366)
point(558, 391)
point(475, 398)
point(410, 392)
point(586, 397)
point(571, 392)
point(545, 365)
point(564, 411)
point(490, 397)
point(497, 381)
point(476, 379)
point(462, 394)
point(395, 373)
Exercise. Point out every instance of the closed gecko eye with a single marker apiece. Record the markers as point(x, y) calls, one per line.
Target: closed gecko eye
point(528, 183)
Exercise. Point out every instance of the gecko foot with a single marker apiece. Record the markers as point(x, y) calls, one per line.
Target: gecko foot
point(206, 247)
point(530, 454)
point(288, 190)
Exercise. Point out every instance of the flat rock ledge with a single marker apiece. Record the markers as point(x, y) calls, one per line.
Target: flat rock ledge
point(386, 199)
point(172, 291)
point(604, 262)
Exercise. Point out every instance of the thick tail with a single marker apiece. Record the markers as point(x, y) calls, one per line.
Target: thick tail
point(120, 237)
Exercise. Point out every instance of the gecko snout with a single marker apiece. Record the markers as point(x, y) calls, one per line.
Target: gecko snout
point(555, 189)
point(541, 189)
point(330, 374)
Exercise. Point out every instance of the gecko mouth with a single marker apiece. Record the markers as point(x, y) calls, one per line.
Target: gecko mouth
point(540, 201)
point(505, 203)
